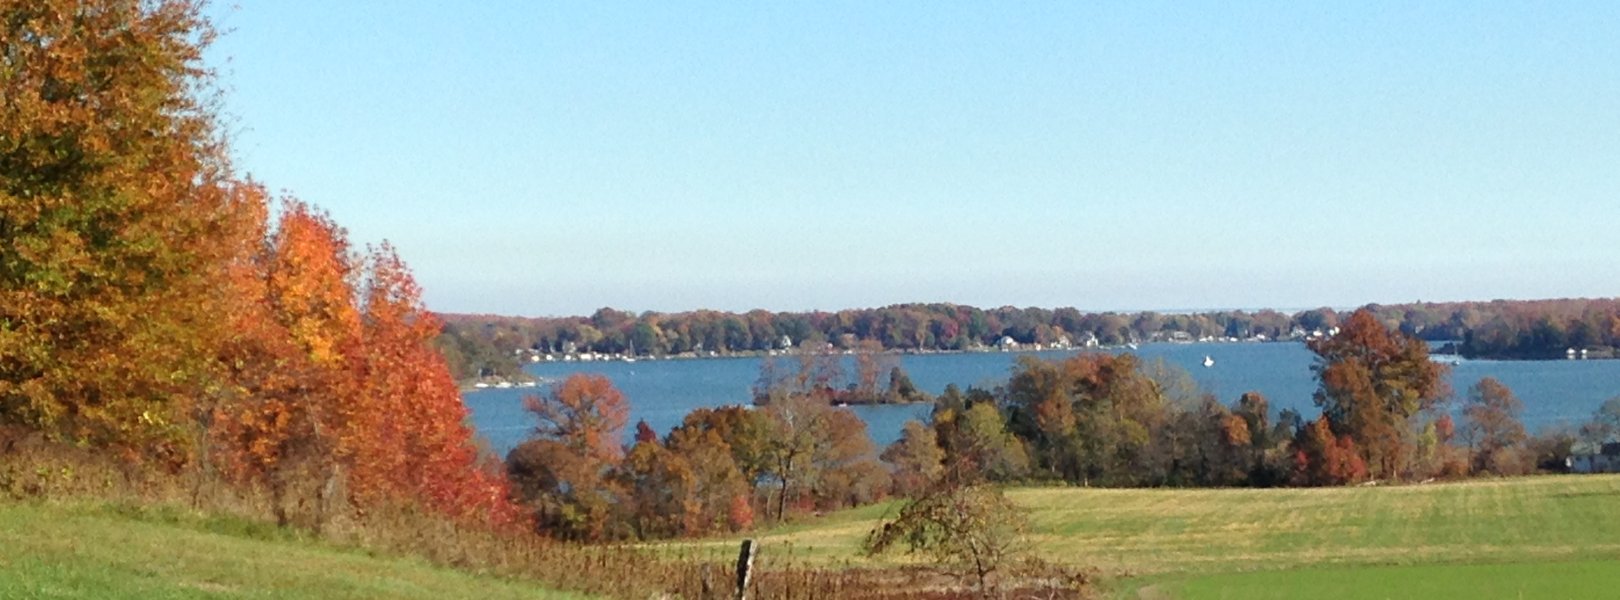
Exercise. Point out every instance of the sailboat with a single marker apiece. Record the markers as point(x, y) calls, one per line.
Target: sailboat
point(1208, 362)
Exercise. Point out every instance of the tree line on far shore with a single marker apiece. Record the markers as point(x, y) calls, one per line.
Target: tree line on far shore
point(487, 345)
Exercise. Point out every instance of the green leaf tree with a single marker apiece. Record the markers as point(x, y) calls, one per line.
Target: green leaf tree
point(973, 531)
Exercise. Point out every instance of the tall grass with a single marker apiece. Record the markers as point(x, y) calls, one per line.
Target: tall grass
point(33, 469)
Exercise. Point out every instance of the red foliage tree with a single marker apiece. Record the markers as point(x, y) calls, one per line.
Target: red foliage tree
point(1373, 382)
point(1320, 458)
point(645, 433)
point(740, 514)
point(409, 436)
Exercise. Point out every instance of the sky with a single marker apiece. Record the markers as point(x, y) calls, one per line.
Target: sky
point(550, 158)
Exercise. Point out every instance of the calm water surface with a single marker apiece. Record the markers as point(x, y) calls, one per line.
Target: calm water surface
point(662, 392)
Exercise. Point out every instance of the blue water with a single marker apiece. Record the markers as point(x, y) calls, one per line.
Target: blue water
point(662, 392)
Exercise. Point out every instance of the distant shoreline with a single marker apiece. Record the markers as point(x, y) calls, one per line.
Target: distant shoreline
point(531, 382)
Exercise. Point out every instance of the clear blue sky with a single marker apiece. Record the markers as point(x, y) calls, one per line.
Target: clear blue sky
point(544, 158)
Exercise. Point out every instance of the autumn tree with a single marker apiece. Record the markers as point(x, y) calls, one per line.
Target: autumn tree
point(747, 435)
point(263, 373)
point(972, 530)
point(1092, 418)
point(116, 211)
point(408, 430)
point(720, 490)
point(584, 412)
point(1492, 429)
point(901, 390)
point(871, 362)
point(660, 489)
point(855, 480)
point(844, 467)
point(978, 447)
point(916, 457)
point(149, 305)
point(644, 432)
point(562, 472)
point(1046, 416)
point(1323, 459)
point(1205, 446)
point(1268, 458)
point(1255, 411)
point(1373, 381)
point(333, 389)
point(819, 453)
point(729, 449)
point(1236, 457)
point(296, 366)
point(821, 370)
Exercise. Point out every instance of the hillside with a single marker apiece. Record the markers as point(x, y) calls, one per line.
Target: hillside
point(83, 551)
point(1553, 536)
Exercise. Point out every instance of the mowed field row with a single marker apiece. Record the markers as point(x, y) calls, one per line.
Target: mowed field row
point(1151, 531)
point(1141, 537)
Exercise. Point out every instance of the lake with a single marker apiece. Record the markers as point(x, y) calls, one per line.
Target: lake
point(662, 392)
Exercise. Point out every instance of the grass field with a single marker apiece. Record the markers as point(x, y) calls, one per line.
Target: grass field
point(83, 551)
point(1534, 580)
point(1553, 537)
point(1536, 537)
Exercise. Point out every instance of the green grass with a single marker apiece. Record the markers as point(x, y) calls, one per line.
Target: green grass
point(1553, 581)
point(83, 551)
point(1185, 543)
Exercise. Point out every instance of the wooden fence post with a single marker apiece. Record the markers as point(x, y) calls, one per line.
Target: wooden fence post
point(745, 567)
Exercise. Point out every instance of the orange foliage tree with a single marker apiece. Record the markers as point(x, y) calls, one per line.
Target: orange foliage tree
point(719, 488)
point(115, 206)
point(730, 448)
point(296, 361)
point(409, 437)
point(335, 391)
point(146, 305)
point(661, 490)
point(584, 412)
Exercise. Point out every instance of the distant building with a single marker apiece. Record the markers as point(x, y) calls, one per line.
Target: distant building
point(1006, 343)
point(1607, 460)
